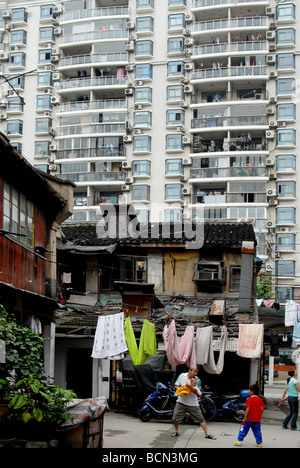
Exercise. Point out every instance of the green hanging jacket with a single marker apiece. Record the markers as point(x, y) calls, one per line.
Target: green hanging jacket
point(147, 345)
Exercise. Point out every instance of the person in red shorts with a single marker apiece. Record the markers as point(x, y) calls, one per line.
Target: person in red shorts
point(252, 419)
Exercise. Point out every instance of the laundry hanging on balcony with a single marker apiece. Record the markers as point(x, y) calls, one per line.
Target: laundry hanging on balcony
point(181, 351)
point(291, 313)
point(147, 344)
point(205, 351)
point(109, 341)
point(250, 343)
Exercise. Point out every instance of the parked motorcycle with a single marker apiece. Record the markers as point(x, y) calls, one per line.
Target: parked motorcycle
point(161, 403)
point(234, 407)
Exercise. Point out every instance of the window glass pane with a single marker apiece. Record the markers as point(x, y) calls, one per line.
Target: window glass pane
point(286, 112)
point(285, 86)
point(286, 137)
point(286, 162)
point(285, 61)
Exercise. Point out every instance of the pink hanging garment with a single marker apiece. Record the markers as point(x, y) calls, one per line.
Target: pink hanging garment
point(250, 344)
point(183, 351)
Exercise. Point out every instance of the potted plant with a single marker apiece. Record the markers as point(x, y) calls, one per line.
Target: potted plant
point(28, 401)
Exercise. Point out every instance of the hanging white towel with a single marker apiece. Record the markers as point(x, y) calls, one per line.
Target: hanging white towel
point(109, 341)
point(250, 344)
point(205, 349)
point(291, 313)
point(203, 339)
point(259, 302)
point(296, 333)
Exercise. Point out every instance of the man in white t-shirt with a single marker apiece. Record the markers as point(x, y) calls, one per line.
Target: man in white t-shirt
point(189, 403)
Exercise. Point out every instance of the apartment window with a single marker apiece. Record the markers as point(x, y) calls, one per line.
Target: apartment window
point(285, 268)
point(46, 34)
point(177, 2)
point(143, 71)
point(142, 215)
point(285, 61)
point(285, 36)
point(285, 242)
point(173, 216)
point(286, 86)
point(284, 294)
point(286, 137)
point(43, 101)
point(286, 112)
point(175, 93)
point(19, 15)
point(173, 166)
point(45, 56)
point(43, 125)
point(46, 12)
point(44, 79)
point(285, 12)
point(286, 189)
point(173, 192)
point(144, 48)
point(140, 193)
point(18, 215)
point(235, 276)
point(144, 24)
point(174, 142)
point(142, 119)
point(69, 168)
point(42, 148)
point(142, 143)
point(176, 21)
point(14, 127)
point(257, 215)
point(18, 37)
point(176, 68)
point(175, 117)
point(17, 82)
point(145, 4)
point(175, 45)
point(141, 168)
point(286, 163)
point(17, 146)
point(286, 215)
point(142, 95)
point(15, 104)
point(17, 59)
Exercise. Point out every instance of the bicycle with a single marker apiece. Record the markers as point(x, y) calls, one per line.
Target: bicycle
point(207, 406)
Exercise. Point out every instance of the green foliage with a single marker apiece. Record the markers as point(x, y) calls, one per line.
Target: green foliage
point(264, 286)
point(23, 384)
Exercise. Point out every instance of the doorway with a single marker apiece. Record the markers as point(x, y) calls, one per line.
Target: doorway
point(79, 372)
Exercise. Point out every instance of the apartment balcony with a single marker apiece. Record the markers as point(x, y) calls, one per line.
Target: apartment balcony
point(93, 36)
point(95, 13)
point(260, 72)
point(100, 82)
point(91, 129)
point(105, 179)
point(254, 23)
point(109, 58)
point(85, 105)
point(198, 4)
point(109, 153)
point(242, 122)
point(226, 173)
point(236, 96)
point(225, 49)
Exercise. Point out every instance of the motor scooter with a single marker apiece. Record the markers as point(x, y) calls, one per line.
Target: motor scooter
point(160, 404)
point(234, 407)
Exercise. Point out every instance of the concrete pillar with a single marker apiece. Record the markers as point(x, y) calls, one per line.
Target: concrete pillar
point(49, 350)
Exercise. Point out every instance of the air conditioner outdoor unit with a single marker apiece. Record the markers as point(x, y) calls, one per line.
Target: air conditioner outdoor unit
point(272, 176)
point(130, 47)
point(187, 162)
point(129, 91)
point(55, 77)
point(186, 191)
point(138, 83)
point(270, 11)
point(188, 89)
point(272, 48)
point(57, 9)
point(180, 129)
point(125, 188)
point(188, 42)
point(270, 224)
point(273, 100)
point(126, 164)
point(3, 56)
point(130, 25)
point(127, 138)
point(284, 229)
point(138, 107)
point(129, 180)
point(273, 74)
point(54, 100)
point(188, 18)
point(52, 147)
point(270, 35)
point(188, 51)
point(52, 167)
point(268, 267)
point(186, 140)
point(3, 116)
point(270, 111)
point(273, 202)
point(270, 162)
point(273, 123)
point(57, 31)
point(271, 193)
point(6, 14)
point(271, 59)
point(270, 134)
point(188, 66)
point(183, 104)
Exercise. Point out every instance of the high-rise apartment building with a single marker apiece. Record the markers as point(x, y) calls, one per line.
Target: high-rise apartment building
point(168, 105)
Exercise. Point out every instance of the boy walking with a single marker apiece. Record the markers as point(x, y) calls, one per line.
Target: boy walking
point(252, 419)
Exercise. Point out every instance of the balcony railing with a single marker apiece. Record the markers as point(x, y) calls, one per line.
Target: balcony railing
point(94, 13)
point(107, 104)
point(94, 177)
point(230, 72)
point(224, 97)
point(95, 36)
point(213, 172)
point(94, 58)
point(233, 23)
point(208, 3)
point(105, 152)
point(93, 81)
point(239, 121)
point(226, 47)
point(88, 129)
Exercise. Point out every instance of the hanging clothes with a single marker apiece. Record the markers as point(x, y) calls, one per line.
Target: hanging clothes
point(296, 333)
point(147, 344)
point(109, 341)
point(205, 351)
point(259, 302)
point(274, 348)
point(250, 344)
point(183, 352)
point(291, 313)
point(269, 302)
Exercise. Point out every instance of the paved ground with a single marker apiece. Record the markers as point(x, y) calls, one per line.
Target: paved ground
point(124, 431)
